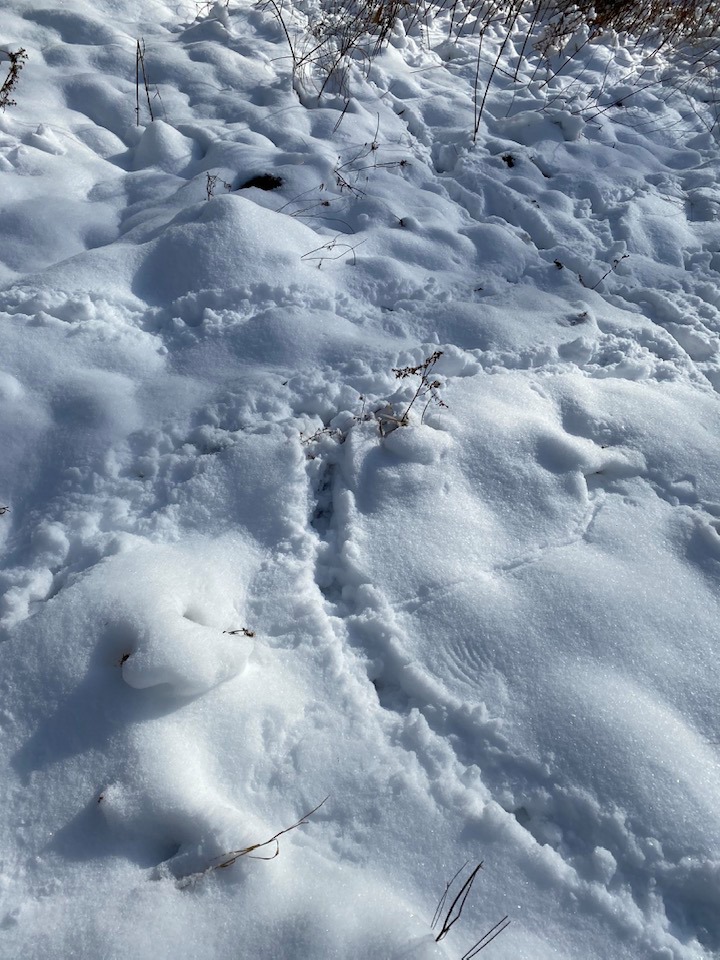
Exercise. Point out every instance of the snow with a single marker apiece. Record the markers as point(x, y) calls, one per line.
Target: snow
point(236, 582)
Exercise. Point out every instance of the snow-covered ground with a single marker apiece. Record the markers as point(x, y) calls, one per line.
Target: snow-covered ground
point(234, 585)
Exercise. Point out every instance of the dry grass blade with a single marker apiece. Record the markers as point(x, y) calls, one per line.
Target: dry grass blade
point(487, 938)
point(458, 904)
point(140, 71)
point(228, 859)
point(443, 898)
point(335, 251)
point(454, 912)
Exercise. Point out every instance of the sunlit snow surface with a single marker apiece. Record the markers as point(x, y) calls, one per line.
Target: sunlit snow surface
point(490, 635)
